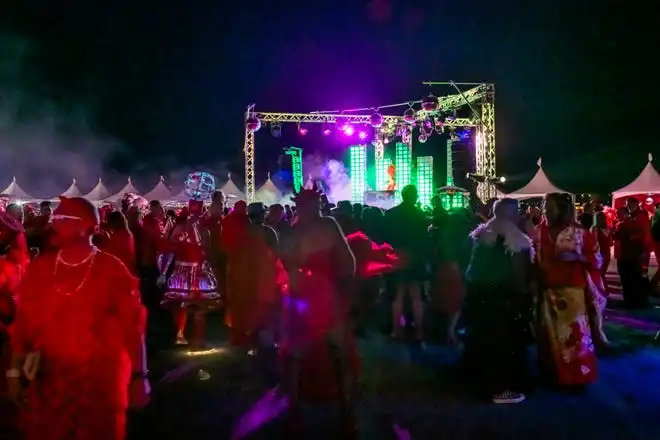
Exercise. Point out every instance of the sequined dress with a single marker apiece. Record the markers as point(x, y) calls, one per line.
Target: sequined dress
point(192, 283)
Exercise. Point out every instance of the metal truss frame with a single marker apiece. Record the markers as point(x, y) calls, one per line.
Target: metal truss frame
point(482, 95)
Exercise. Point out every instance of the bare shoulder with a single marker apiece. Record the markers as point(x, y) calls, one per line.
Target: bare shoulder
point(112, 265)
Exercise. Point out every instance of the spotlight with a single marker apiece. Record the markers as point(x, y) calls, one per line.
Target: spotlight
point(362, 135)
point(348, 130)
point(253, 124)
point(409, 116)
point(325, 129)
point(502, 179)
point(341, 123)
point(302, 130)
point(276, 129)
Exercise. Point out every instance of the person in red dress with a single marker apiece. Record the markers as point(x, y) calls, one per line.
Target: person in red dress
point(191, 287)
point(120, 241)
point(13, 260)
point(78, 337)
point(320, 356)
point(565, 256)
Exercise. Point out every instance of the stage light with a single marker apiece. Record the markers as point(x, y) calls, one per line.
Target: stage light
point(362, 135)
point(276, 129)
point(253, 124)
point(430, 103)
point(502, 179)
point(348, 130)
point(341, 123)
point(422, 138)
point(409, 116)
point(376, 119)
point(386, 140)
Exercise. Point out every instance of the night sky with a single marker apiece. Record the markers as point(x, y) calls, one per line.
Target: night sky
point(169, 81)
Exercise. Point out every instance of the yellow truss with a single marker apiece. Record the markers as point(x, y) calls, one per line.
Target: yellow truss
point(485, 125)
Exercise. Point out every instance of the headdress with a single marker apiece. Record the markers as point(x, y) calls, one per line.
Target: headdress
point(307, 195)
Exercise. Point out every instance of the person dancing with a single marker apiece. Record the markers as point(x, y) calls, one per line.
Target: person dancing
point(318, 341)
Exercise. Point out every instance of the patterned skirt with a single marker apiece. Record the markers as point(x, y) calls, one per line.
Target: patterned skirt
point(192, 285)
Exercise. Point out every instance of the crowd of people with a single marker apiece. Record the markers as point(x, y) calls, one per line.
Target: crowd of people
point(80, 285)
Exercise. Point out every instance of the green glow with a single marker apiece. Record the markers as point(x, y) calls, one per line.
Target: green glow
point(296, 167)
point(381, 173)
point(450, 163)
point(402, 160)
point(358, 172)
point(425, 179)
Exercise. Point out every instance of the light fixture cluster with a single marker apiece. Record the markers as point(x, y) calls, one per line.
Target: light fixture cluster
point(427, 119)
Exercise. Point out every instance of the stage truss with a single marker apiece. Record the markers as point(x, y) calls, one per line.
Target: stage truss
point(480, 100)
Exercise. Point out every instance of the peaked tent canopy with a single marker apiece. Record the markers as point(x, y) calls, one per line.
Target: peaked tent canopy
point(268, 193)
point(231, 190)
point(73, 190)
point(539, 186)
point(15, 192)
point(129, 188)
point(178, 197)
point(648, 182)
point(159, 192)
point(99, 193)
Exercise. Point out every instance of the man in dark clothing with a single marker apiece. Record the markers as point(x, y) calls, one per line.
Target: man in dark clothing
point(406, 230)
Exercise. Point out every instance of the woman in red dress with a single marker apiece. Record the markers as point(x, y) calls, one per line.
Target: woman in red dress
point(565, 256)
point(321, 360)
point(78, 337)
point(120, 241)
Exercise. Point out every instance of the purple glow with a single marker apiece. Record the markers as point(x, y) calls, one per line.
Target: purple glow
point(303, 131)
point(326, 132)
point(362, 135)
point(349, 130)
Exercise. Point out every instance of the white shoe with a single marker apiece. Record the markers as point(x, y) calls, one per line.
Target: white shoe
point(508, 397)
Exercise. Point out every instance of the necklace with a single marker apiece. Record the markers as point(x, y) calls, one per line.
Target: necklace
point(59, 261)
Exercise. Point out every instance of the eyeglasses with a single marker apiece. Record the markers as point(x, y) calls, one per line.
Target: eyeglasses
point(56, 217)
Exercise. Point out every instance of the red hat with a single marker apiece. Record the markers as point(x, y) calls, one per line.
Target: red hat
point(77, 208)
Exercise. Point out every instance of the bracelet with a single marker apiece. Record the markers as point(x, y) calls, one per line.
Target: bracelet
point(13, 373)
point(139, 375)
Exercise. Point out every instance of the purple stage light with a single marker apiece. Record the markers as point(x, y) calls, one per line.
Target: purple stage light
point(362, 135)
point(327, 132)
point(303, 131)
point(349, 130)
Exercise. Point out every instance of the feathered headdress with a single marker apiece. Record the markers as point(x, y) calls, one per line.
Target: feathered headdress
point(305, 195)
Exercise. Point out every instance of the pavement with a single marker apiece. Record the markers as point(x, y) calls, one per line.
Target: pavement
point(414, 393)
point(407, 393)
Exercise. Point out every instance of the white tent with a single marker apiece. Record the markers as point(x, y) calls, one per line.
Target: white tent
point(128, 188)
point(159, 192)
point(231, 190)
point(99, 193)
point(15, 192)
point(268, 193)
point(179, 197)
point(73, 190)
point(648, 182)
point(539, 186)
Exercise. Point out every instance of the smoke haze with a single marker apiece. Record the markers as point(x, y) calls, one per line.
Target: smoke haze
point(43, 144)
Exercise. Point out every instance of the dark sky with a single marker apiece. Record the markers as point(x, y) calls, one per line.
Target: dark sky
point(576, 80)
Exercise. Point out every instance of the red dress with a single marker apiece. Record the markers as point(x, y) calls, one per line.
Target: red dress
point(85, 321)
point(314, 308)
point(121, 245)
point(566, 342)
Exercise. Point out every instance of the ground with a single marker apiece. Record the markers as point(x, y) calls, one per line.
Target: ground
point(410, 393)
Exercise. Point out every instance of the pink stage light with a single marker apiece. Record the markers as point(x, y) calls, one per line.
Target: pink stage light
point(327, 132)
point(303, 131)
point(362, 135)
point(349, 130)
